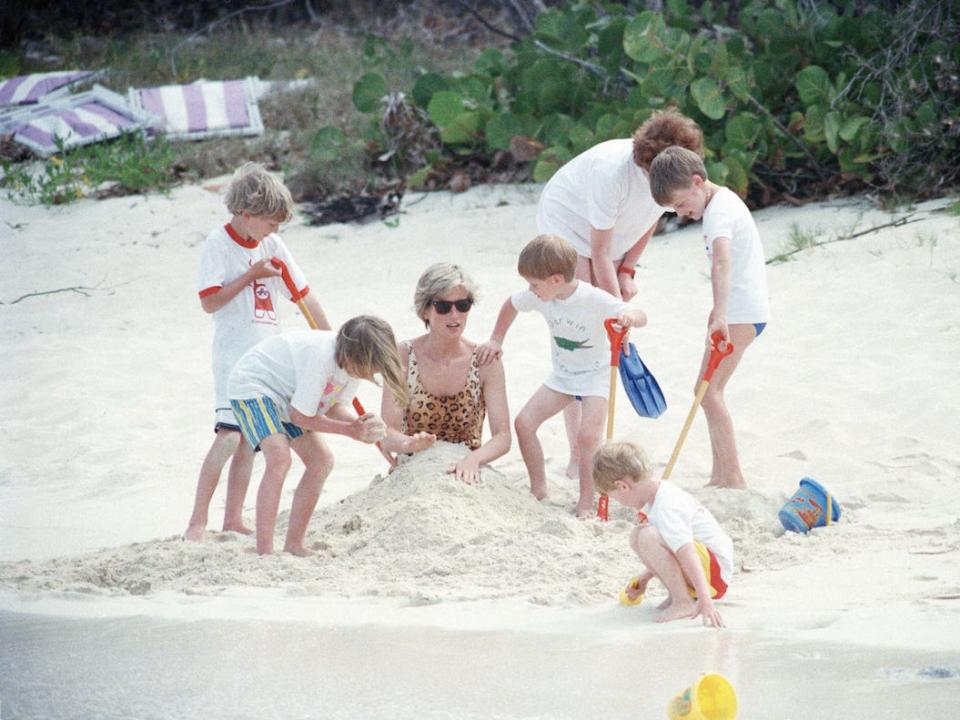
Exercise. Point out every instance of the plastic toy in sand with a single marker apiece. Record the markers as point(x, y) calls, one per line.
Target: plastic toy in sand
point(811, 506)
point(625, 598)
point(712, 697)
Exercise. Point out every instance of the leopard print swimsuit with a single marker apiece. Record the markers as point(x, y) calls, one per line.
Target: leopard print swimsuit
point(453, 418)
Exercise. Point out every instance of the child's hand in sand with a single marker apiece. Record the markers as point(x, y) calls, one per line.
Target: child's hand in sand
point(636, 587)
point(467, 470)
point(419, 441)
point(368, 428)
point(489, 351)
point(708, 611)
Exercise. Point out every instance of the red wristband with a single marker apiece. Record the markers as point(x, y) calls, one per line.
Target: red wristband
point(627, 271)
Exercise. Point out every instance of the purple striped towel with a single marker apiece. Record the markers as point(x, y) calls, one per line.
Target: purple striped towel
point(27, 89)
point(80, 119)
point(201, 109)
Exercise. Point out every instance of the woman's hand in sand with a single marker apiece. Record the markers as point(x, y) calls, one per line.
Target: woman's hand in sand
point(368, 428)
point(488, 352)
point(708, 611)
point(467, 470)
point(419, 441)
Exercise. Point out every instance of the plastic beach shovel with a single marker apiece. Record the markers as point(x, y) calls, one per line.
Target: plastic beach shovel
point(713, 362)
point(616, 333)
point(298, 298)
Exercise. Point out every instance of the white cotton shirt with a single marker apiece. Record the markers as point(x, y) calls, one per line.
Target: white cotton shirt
point(580, 348)
point(251, 315)
point(727, 216)
point(295, 369)
point(681, 519)
point(602, 188)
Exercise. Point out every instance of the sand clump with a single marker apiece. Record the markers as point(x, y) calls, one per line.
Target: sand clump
point(417, 534)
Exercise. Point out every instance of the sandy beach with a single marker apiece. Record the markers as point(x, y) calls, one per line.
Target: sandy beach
point(431, 599)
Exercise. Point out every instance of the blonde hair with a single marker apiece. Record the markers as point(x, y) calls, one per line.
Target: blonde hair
point(547, 255)
point(366, 343)
point(252, 189)
point(439, 279)
point(616, 460)
point(672, 171)
point(662, 130)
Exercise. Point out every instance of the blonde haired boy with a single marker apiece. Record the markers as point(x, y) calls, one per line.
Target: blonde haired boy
point(238, 285)
point(678, 540)
point(575, 312)
point(738, 275)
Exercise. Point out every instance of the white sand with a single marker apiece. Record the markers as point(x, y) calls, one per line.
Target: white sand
point(107, 396)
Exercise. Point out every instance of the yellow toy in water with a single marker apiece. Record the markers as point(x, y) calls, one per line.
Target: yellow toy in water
point(634, 584)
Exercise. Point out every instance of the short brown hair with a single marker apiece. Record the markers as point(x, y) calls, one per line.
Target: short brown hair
point(672, 171)
point(252, 189)
point(616, 460)
point(547, 255)
point(661, 131)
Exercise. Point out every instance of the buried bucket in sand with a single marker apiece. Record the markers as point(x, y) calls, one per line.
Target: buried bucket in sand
point(712, 697)
point(811, 506)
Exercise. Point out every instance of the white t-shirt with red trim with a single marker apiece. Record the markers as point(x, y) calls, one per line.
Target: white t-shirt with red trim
point(295, 369)
point(602, 188)
point(251, 315)
point(681, 519)
point(728, 216)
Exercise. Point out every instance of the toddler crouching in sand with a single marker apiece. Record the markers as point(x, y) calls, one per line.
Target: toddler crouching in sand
point(290, 388)
point(680, 542)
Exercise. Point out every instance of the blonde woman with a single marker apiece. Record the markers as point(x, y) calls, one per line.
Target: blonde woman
point(450, 392)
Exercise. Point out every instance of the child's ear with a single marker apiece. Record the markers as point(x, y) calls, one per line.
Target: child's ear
point(621, 485)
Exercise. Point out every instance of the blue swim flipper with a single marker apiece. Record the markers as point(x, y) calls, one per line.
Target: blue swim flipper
point(640, 384)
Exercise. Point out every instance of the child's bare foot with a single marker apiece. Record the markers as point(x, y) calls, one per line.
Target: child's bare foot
point(665, 604)
point(299, 550)
point(194, 533)
point(584, 509)
point(678, 610)
point(237, 528)
point(538, 490)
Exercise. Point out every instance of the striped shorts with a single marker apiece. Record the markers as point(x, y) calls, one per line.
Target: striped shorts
point(259, 419)
point(711, 570)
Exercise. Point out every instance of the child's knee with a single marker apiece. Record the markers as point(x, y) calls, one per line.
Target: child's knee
point(644, 537)
point(524, 425)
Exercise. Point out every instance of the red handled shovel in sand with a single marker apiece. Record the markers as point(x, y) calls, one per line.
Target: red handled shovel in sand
point(616, 343)
point(298, 298)
point(713, 362)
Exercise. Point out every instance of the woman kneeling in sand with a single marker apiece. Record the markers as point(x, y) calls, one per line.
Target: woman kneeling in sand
point(450, 392)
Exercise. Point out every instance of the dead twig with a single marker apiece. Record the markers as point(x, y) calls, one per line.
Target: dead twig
point(905, 220)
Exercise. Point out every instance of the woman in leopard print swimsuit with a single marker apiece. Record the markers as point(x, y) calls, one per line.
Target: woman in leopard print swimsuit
point(450, 392)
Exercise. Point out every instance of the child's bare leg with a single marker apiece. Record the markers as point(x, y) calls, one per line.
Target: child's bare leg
point(571, 421)
point(544, 404)
point(317, 465)
point(647, 542)
point(276, 453)
point(594, 414)
point(225, 443)
point(238, 479)
point(726, 470)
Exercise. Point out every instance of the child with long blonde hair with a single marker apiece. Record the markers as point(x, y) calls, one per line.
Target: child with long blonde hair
point(289, 390)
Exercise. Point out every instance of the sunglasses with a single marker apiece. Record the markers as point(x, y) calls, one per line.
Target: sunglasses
point(444, 306)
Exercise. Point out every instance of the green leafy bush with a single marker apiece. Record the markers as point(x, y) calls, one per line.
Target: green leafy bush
point(794, 98)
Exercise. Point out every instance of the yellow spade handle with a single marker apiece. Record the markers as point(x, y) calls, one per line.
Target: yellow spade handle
point(307, 314)
point(698, 398)
point(611, 401)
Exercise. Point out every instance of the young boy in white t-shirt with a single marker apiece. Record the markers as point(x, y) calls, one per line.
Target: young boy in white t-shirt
point(238, 285)
point(575, 312)
point(678, 540)
point(738, 274)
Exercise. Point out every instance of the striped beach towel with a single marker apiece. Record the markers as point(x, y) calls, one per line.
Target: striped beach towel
point(87, 117)
point(28, 89)
point(201, 109)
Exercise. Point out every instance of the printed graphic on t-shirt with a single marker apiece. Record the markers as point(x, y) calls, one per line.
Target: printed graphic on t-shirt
point(327, 402)
point(568, 344)
point(263, 304)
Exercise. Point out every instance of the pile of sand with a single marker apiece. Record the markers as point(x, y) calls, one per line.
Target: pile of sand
point(417, 534)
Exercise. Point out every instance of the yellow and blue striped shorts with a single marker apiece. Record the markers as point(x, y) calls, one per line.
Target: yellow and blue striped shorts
point(259, 419)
